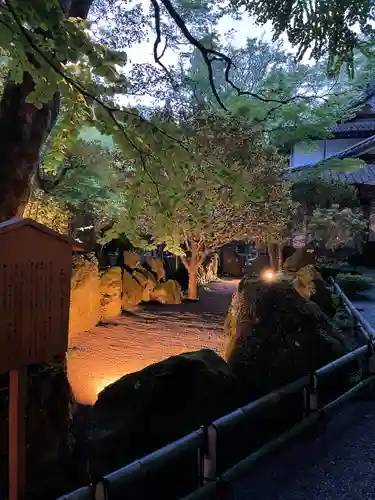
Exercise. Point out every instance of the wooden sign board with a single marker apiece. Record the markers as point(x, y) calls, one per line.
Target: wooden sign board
point(35, 271)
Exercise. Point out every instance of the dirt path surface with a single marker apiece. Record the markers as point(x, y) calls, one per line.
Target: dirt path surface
point(146, 335)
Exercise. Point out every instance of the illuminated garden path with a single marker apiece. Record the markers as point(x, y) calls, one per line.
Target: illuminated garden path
point(148, 334)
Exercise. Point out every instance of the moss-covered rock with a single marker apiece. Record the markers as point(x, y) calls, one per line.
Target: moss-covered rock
point(85, 294)
point(147, 280)
point(132, 291)
point(311, 286)
point(156, 266)
point(276, 336)
point(144, 411)
point(167, 293)
point(304, 281)
point(110, 292)
point(207, 271)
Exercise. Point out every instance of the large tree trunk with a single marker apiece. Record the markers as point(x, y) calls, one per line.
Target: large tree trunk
point(191, 263)
point(23, 131)
point(193, 281)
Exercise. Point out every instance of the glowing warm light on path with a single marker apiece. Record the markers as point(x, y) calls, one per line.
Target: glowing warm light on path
point(102, 384)
point(99, 357)
point(268, 275)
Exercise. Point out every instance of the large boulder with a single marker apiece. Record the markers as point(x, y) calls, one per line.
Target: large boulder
point(276, 336)
point(156, 266)
point(207, 271)
point(147, 280)
point(132, 259)
point(84, 294)
point(132, 290)
point(309, 283)
point(300, 258)
point(110, 292)
point(167, 293)
point(144, 411)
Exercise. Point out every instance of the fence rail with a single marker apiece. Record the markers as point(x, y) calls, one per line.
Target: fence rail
point(204, 441)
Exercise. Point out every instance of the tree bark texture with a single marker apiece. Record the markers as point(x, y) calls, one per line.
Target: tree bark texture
point(23, 131)
point(271, 256)
point(193, 282)
point(280, 260)
point(191, 263)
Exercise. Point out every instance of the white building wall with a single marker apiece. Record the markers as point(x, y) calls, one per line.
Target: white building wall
point(307, 154)
point(311, 153)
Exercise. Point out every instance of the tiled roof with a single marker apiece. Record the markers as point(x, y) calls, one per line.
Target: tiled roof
point(351, 126)
point(357, 149)
point(365, 175)
point(358, 125)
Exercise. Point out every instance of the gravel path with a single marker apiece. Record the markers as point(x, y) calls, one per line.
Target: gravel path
point(338, 464)
point(146, 335)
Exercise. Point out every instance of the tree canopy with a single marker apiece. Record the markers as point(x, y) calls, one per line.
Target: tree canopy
point(68, 67)
point(198, 206)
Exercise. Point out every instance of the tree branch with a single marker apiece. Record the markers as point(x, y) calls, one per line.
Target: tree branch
point(157, 42)
point(210, 55)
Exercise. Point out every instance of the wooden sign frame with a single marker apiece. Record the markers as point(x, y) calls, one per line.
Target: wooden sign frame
point(35, 273)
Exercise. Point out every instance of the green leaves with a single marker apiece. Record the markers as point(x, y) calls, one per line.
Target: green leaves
point(316, 28)
point(229, 186)
point(336, 227)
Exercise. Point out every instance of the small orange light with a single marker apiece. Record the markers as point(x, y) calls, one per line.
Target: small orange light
point(268, 275)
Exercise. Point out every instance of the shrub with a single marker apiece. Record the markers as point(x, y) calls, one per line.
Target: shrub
point(353, 284)
point(331, 270)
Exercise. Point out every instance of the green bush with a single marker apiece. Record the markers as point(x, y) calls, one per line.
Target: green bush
point(331, 270)
point(353, 284)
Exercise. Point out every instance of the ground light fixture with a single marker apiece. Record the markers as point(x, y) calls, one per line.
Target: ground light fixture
point(268, 275)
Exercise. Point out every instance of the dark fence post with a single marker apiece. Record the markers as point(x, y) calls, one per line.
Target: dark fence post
point(207, 455)
point(370, 363)
point(310, 392)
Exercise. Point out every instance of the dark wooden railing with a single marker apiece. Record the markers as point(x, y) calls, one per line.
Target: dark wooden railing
point(203, 445)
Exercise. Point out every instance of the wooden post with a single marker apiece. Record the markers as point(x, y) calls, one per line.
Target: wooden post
point(17, 433)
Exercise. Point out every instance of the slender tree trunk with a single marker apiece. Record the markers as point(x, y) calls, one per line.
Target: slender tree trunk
point(23, 131)
point(280, 261)
point(271, 255)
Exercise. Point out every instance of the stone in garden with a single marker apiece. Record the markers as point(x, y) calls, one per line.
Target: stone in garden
point(304, 282)
point(302, 257)
point(156, 266)
point(310, 285)
point(132, 290)
point(132, 259)
point(146, 410)
point(276, 336)
point(207, 271)
point(85, 294)
point(167, 293)
point(110, 292)
point(147, 280)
